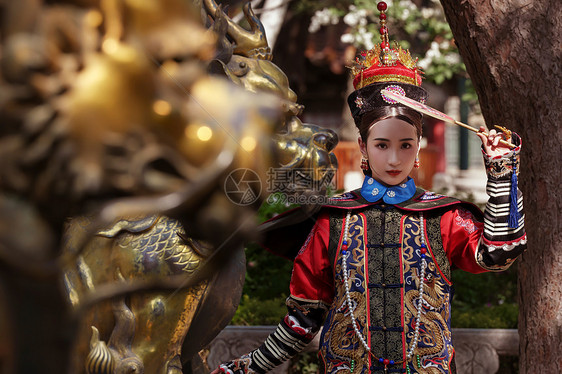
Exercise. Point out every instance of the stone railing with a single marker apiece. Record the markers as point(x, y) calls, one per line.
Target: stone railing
point(477, 350)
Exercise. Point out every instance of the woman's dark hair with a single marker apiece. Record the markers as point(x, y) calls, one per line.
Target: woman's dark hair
point(406, 114)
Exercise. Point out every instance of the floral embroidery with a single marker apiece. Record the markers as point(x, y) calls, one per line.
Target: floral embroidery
point(294, 324)
point(344, 196)
point(501, 166)
point(375, 191)
point(504, 246)
point(308, 239)
point(498, 168)
point(464, 220)
point(429, 195)
point(238, 366)
point(359, 102)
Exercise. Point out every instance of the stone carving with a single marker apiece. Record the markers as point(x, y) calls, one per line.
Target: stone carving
point(477, 358)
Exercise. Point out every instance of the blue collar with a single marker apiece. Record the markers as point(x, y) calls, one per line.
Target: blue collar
point(373, 191)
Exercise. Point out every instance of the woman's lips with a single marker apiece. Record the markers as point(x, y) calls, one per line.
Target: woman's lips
point(393, 172)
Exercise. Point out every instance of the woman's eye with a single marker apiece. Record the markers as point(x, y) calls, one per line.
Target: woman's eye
point(406, 146)
point(381, 145)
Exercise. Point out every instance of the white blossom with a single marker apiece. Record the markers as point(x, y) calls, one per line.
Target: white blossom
point(407, 4)
point(424, 63)
point(432, 54)
point(356, 17)
point(321, 18)
point(368, 43)
point(428, 12)
point(365, 38)
point(313, 27)
point(351, 19)
point(348, 38)
point(434, 51)
point(453, 58)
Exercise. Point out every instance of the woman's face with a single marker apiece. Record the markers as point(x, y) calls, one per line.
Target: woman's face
point(391, 148)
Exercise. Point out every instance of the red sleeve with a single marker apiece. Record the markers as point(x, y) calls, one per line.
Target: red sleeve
point(312, 273)
point(461, 233)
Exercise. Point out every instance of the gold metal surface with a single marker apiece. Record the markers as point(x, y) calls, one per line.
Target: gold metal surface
point(298, 146)
point(109, 116)
point(145, 329)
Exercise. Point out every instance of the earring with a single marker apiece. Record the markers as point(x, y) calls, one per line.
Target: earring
point(364, 164)
point(417, 163)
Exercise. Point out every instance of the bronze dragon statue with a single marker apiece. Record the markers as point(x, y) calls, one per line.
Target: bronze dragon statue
point(245, 58)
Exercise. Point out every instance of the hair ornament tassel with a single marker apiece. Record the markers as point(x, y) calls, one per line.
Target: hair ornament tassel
point(417, 163)
point(514, 216)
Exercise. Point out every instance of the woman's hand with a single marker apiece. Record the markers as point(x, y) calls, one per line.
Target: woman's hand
point(491, 143)
point(216, 371)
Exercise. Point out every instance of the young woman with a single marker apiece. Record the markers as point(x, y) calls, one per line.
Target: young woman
point(375, 269)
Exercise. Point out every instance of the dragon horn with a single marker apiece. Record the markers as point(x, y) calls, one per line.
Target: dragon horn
point(251, 43)
point(99, 359)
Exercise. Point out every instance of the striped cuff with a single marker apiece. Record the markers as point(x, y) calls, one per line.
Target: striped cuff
point(280, 346)
point(502, 242)
point(496, 214)
point(291, 336)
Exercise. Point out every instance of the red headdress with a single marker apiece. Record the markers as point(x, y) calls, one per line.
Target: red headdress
point(383, 68)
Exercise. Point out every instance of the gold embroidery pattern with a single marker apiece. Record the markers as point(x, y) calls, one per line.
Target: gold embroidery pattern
point(340, 344)
point(435, 344)
point(433, 232)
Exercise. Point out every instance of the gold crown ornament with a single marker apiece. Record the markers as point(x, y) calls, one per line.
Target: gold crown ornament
point(385, 64)
point(384, 68)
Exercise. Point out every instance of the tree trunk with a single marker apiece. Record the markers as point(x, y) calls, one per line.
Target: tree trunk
point(512, 50)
